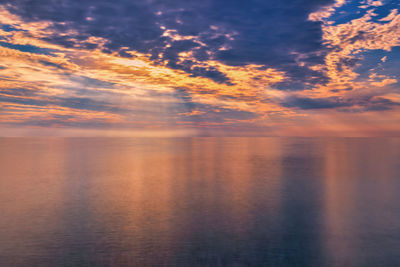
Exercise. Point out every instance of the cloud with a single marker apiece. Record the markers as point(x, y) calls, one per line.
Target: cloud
point(359, 104)
point(375, 103)
point(18, 92)
point(314, 103)
point(202, 65)
point(52, 64)
point(9, 28)
point(58, 120)
point(79, 103)
point(28, 48)
point(235, 33)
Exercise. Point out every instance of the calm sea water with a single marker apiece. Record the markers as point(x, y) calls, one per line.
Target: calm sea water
point(199, 202)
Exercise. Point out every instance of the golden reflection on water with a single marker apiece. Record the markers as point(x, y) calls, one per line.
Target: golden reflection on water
point(360, 199)
point(199, 201)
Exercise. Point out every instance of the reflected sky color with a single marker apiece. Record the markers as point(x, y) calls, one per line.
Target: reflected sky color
point(208, 68)
point(199, 202)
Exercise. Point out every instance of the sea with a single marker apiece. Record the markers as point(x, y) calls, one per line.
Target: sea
point(201, 201)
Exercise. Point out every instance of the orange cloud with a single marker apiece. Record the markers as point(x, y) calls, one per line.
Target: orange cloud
point(132, 93)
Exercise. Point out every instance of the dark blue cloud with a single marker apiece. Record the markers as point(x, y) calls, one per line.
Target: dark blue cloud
point(18, 91)
point(23, 101)
point(51, 64)
point(28, 48)
point(365, 103)
point(80, 103)
point(315, 103)
point(378, 104)
point(261, 32)
point(55, 120)
point(9, 28)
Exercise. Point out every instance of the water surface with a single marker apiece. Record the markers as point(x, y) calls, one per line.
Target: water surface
point(199, 202)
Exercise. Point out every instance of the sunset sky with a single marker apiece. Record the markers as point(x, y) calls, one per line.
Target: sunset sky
point(199, 68)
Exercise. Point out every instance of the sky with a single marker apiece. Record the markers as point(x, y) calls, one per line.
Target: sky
point(199, 68)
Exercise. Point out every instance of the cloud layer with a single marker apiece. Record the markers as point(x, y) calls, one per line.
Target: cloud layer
point(268, 67)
